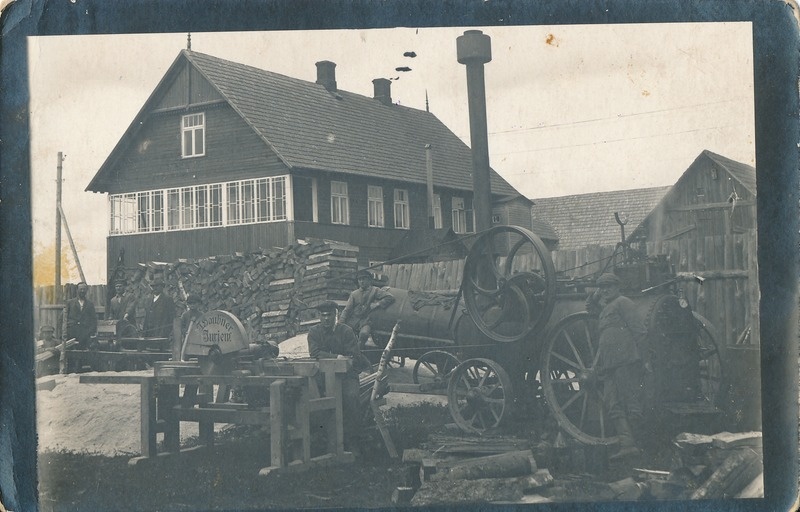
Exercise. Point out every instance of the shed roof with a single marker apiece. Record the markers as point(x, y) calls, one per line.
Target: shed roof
point(588, 219)
point(309, 127)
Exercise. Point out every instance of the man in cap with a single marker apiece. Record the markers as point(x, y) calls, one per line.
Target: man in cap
point(332, 340)
point(80, 318)
point(363, 301)
point(620, 362)
point(120, 307)
point(159, 312)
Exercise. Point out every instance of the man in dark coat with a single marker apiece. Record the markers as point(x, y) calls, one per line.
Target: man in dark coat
point(159, 312)
point(622, 361)
point(363, 301)
point(80, 318)
point(332, 340)
point(121, 307)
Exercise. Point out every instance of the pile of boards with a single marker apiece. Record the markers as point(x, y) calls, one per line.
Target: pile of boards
point(452, 470)
point(719, 466)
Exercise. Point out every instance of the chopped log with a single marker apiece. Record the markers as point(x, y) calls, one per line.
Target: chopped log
point(492, 466)
point(754, 489)
point(735, 473)
point(465, 445)
point(627, 489)
point(468, 491)
point(416, 455)
point(539, 480)
point(402, 495)
point(727, 440)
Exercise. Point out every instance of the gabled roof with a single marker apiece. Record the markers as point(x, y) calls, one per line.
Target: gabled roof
point(309, 127)
point(743, 173)
point(588, 219)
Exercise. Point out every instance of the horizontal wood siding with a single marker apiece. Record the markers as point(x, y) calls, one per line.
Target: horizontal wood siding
point(196, 243)
point(233, 151)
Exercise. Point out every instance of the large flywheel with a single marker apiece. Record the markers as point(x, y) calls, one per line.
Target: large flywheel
point(509, 283)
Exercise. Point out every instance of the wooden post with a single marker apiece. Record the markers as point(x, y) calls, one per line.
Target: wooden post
point(166, 401)
point(57, 298)
point(148, 418)
point(277, 424)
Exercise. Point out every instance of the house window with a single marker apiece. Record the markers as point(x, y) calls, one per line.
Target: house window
point(437, 211)
point(374, 206)
point(340, 209)
point(199, 206)
point(459, 215)
point(193, 135)
point(258, 200)
point(401, 213)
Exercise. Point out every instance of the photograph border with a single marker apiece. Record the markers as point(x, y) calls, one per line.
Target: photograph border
point(775, 73)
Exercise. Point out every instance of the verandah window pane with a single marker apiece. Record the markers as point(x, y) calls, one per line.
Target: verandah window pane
point(215, 210)
point(233, 203)
point(173, 209)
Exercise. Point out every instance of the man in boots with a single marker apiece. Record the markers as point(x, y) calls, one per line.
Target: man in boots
point(621, 361)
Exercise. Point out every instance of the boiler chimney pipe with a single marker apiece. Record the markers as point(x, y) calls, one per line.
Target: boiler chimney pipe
point(474, 49)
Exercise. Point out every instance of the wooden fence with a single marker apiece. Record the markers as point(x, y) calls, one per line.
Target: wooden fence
point(728, 296)
point(48, 312)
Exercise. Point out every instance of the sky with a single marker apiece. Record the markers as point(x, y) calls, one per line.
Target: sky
point(570, 109)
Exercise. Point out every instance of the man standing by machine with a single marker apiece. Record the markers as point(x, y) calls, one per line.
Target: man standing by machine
point(622, 361)
point(332, 340)
point(159, 313)
point(361, 303)
point(120, 306)
point(80, 318)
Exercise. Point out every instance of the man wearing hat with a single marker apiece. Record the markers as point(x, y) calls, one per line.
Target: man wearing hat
point(120, 307)
point(363, 301)
point(332, 340)
point(80, 318)
point(620, 361)
point(159, 312)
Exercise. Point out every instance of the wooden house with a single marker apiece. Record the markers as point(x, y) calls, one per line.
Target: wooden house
point(225, 157)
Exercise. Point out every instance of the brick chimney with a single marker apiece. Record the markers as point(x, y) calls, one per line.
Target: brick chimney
point(326, 74)
point(383, 90)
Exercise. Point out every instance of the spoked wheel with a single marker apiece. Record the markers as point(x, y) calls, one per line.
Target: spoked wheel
point(509, 283)
point(479, 395)
point(711, 375)
point(569, 380)
point(434, 367)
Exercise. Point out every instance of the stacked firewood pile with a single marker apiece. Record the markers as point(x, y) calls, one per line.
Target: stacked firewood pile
point(273, 293)
point(468, 470)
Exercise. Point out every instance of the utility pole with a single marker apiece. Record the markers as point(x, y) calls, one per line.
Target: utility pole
point(57, 296)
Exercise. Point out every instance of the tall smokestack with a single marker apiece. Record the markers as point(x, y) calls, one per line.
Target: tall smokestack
point(326, 74)
point(474, 49)
point(383, 90)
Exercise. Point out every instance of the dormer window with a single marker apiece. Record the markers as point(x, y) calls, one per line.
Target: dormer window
point(193, 135)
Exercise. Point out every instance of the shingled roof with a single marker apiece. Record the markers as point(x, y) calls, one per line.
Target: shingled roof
point(309, 127)
point(588, 219)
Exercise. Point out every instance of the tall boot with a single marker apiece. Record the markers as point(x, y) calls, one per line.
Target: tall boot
point(627, 445)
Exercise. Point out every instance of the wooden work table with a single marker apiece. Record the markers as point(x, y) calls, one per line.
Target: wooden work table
point(281, 396)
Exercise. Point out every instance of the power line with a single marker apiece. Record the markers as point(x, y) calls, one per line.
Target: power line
point(612, 141)
point(618, 116)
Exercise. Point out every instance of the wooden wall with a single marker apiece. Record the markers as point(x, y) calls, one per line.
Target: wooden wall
point(153, 161)
point(47, 312)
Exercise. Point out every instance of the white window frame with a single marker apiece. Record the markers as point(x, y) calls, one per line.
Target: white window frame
point(402, 214)
point(437, 211)
point(375, 206)
point(193, 130)
point(198, 206)
point(459, 215)
point(340, 203)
